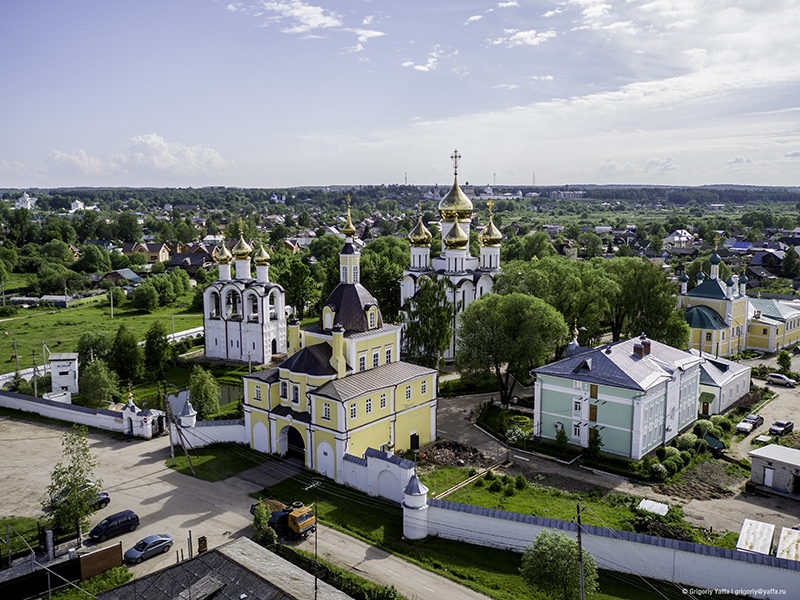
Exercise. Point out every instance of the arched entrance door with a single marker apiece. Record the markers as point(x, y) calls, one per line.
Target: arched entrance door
point(292, 444)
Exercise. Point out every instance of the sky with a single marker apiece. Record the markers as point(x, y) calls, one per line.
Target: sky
point(288, 93)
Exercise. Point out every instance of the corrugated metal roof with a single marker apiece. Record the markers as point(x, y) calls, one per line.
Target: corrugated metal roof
point(755, 536)
point(365, 382)
point(789, 544)
point(617, 365)
point(777, 452)
point(710, 288)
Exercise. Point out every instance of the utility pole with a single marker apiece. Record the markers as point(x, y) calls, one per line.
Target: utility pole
point(315, 483)
point(111, 297)
point(580, 554)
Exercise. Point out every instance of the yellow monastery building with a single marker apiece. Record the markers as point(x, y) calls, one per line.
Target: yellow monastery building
point(724, 320)
point(342, 389)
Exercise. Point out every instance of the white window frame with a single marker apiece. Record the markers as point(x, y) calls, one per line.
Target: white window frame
point(368, 408)
point(362, 362)
point(576, 430)
point(295, 394)
point(408, 392)
point(376, 359)
point(388, 356)
point(284, 389)
point(354, 411)
point(383, 400)
point(424, 386)
point(326, 411)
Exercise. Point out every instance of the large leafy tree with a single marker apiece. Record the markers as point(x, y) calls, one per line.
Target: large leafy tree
point(505, 336)
point(93, 345)
point(791, 264)
point(302, 290)
point(427, 323)
point(93, 259)
point(551, 565)
point(527, 247)
point(203, 392)
point(126, 356)
point(381, 277)
point(128, 228)
point(69, 499)
point(145, 297)
point(157, 351)
point(99, 384)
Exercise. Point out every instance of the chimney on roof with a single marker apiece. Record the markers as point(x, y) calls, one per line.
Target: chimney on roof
point(646, 346)
point(638, 349)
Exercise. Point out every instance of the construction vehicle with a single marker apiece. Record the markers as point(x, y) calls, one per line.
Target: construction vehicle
point(294, 522)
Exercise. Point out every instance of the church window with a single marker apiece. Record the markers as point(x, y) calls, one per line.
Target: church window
point(708, 335)
point(295, 395)
point(369, 405)
point(408, 392)
point(764, 331)
point(383, 400)
point(372, 319)
point(344, 274)
point(362, 363)
point(723, 335)
point(353, 410)
point(328, 319)
point(284, 392)
point(258, 392)
point(355, 274)
point(376, 357)
point(326, 411)
point(388, 355)
point(424, 387)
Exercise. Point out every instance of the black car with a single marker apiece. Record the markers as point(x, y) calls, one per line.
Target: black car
point(781, 428)
point(118, 523)
point(100, 500)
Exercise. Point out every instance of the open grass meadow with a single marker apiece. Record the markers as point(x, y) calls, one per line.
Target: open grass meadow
point(60, 328)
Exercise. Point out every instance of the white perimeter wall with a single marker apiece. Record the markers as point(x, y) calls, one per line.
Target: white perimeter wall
point(101, 418)
point(691, 564)
point(205, 433)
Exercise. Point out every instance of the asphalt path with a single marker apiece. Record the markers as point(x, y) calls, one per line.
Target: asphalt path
point(135, 473)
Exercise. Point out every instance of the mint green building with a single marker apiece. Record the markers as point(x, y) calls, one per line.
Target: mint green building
point(635, 394)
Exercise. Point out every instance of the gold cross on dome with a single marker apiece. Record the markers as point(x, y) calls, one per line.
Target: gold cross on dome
point(490, 204)
point(419, 207)
point(455, 156)
point(348, 199)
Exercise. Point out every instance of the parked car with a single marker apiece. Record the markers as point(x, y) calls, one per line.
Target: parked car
point(118, 523)
point(749, 423)
point(148, 547)
point(781, 379)
point(101, 499)
point(781, 428)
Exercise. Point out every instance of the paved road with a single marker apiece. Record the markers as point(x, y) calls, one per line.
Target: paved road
point(134, 472)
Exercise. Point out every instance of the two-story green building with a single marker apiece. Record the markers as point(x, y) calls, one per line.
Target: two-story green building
point(635, 394)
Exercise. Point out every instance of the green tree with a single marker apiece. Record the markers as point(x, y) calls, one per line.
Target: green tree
point(164, 288)
point(100, 384)
point(427, 323)
point(381, 277)
point(551, 565)
point(302, 290)
point(203, 392)
point(117, 296)
point(784, 361)
point(145, 297)
point(791, 264)
point(128, 228)
point(93, 345)
point(265, 535)
point(157, 350)
point(126, 356)
point(93, 259)
point(506, 336)
point(591, 243)
point(69, 499)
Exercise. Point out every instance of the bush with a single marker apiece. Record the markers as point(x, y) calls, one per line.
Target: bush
point(686, 441)
point(702, 427)
point(701, 447)
point(658, 472)
point(686, 457)
point(669, 452)
point(479, 482)
point(661, 453)
point(510, 491)
point(489, 475)
point(671, 466)
point(496, 486)
point(520, 482)
point(723, 423)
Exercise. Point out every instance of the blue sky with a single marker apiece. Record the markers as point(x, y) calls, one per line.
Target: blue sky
point(290, 93)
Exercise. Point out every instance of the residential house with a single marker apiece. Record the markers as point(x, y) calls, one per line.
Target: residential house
point(771, 260)
point(777, 467)
point(680, 238)
point(635, 394)
point(774, 324)
point(127, 276)
point(722, 383)
point(154, 251)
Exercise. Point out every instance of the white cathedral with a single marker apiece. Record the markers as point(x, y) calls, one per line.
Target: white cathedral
point(468, 277)
point(244, 317)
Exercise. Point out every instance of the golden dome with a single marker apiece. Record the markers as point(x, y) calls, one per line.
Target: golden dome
point(490, 236)
point(349, 229)
point(420, 236)
point(242, 250)
point(224, 255)
point(262, 257)
point(455, 205)
point(456, 238)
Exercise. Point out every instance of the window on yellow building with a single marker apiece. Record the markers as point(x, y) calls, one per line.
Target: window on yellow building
point(258, 392)
point(362, 363)
point(408, 392)
point(424, 387)
point(284, 392)
point(708, 336)
point(353, 410)
point(369, 405)
point(383, 400)
point(326, 411)
point(375, 359)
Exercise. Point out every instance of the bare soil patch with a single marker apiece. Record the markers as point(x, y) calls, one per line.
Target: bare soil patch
point(709, 480)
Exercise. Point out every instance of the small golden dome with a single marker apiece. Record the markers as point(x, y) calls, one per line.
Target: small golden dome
point(420, 236)
point(349, 229)
point(490, 236)
point(224, 255)
point(456, 239)
point(262, 257)
point(242, 250)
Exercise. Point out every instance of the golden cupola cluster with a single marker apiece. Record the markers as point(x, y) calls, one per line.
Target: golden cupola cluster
point(224, 255)
point(420, 236)
point(262, 257)
point(242, 250)
point(455, 205)
point(456, 238)
point(490, 236)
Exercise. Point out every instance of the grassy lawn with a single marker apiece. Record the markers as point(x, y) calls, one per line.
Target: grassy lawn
point(60, 328)
point(20, 526)
point(218, 461)
point(489, 571)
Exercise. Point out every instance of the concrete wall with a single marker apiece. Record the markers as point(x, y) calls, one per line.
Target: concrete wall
point(205, 433)
point(693, 565)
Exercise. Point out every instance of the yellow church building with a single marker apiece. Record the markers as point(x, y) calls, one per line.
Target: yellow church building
point(342, 389)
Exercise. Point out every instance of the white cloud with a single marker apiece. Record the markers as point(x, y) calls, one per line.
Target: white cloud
point(152, 154)
point(474, 19)
point(553, 13)
point(78, 163)
point(739, 160)
point(13, 168)
point(611, 168)
point(430, 64)
point(514, 37)
point(509, 4)
point(792, 154)
point(365, 35)
point(305, 17)
point(662, 165)
point(542, 77)
point(354, 49)
point(505, 86)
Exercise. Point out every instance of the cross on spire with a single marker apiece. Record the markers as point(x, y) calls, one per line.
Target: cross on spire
point(419, 208)
point(455, 156)
point(490, 204)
